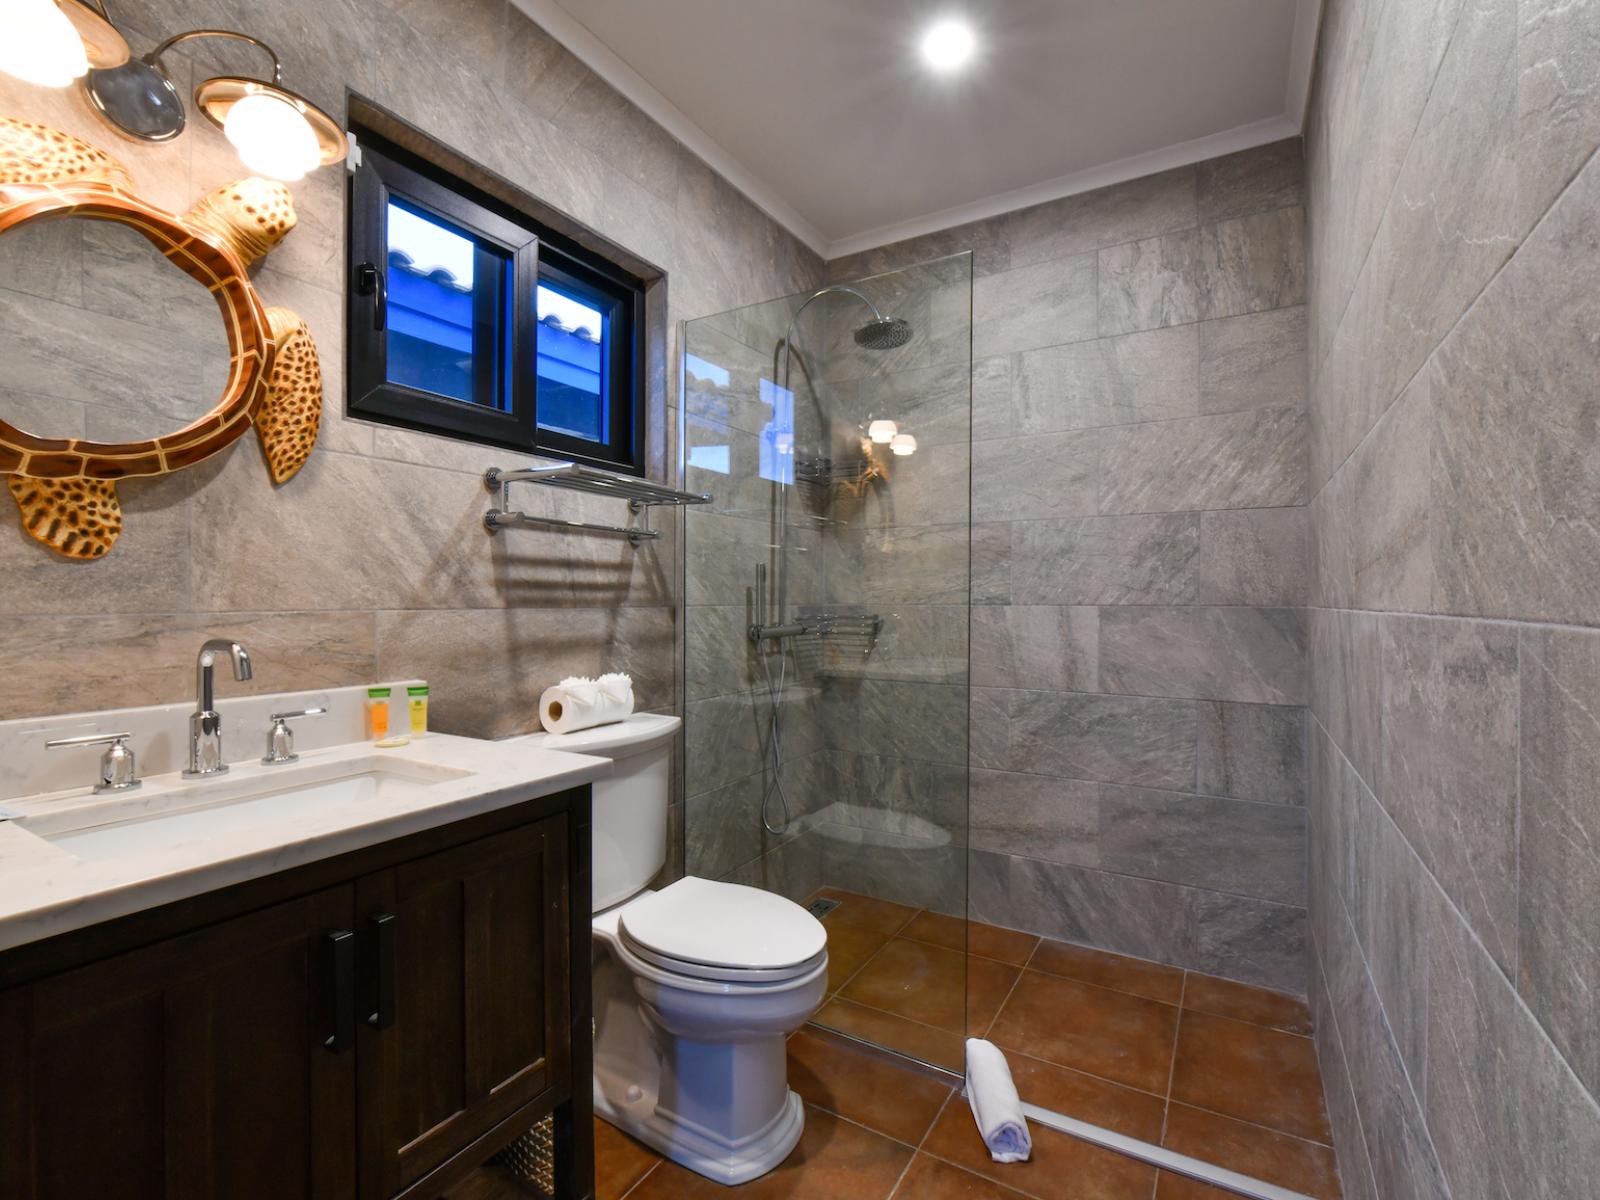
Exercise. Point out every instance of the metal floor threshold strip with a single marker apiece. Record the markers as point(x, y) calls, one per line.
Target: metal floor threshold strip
point(1156, 1156)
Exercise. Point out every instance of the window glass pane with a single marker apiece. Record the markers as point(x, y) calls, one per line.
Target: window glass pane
point(571, 347)
point(434, 308)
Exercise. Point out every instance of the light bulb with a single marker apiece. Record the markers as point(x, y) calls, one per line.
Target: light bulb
point(903, 444)
point(948, 45)
point(882, 432)
point(272, 137)
point(38, 44)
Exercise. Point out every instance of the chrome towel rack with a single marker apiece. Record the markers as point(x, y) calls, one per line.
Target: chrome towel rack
point(641, 495)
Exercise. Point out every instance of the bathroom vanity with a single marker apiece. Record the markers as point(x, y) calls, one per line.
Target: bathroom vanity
point(349, 976)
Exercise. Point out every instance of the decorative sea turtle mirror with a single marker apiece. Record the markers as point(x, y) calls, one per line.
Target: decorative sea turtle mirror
point(113, 362)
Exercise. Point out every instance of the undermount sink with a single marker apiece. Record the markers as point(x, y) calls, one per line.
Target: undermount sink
point(154, 818)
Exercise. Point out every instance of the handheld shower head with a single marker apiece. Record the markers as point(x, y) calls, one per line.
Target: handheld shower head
point(883, 333)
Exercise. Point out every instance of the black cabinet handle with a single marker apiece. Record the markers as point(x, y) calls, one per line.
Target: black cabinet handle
point(383, 931)
point(341, 959)
point(370, 282)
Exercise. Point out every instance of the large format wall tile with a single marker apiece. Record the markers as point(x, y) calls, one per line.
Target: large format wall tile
point(1252, 752)
point(1256, 655)
point(1449, 729)
point(1036, 816)
point(1262, 179)
point(1346, 684)
point(1037, 476)
point(1506, 1113)
point(1253, 361)
point(1150, 283)
point(1513, 483)
point(1102, 560)
point(1254, 556)
point(1559, 903)
point(1558, 55)
point(1252, 264)
point(1044, 648)
point(151, 657)
point(1233, 460)
point(1109, 381)
point(1232, 846)
point(1104, 217)
point(1041, 305)
point(1117, 739)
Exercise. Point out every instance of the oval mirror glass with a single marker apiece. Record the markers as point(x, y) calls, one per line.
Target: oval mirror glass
point(102, 336)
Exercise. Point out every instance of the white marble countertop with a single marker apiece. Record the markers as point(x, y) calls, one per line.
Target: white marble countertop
point(46, 890)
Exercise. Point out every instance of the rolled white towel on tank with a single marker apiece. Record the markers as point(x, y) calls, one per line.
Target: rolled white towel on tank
point(995, 1103)
point(578, 703)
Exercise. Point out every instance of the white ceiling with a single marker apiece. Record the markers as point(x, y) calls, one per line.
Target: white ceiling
point(822, 112)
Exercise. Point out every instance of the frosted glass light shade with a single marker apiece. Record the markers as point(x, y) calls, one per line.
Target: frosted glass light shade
point(38, 44)
point(882, 432)
point(903, 444)
point(273, 137)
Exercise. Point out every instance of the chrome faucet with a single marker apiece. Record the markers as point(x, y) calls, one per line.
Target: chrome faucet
point(205, 724)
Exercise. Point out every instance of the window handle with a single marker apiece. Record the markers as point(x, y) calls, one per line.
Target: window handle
point(371, 282)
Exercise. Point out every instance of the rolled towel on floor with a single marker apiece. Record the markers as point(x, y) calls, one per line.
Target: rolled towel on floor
point(995, 1103)
point(578, 703)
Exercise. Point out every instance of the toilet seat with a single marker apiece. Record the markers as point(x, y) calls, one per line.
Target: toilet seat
point(723, 931)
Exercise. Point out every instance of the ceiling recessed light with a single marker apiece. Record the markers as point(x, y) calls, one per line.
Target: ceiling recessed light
point(948, 45)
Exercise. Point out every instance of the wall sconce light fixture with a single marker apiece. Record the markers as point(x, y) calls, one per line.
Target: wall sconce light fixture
point(903, 444)
point(881, 432)
point(53, 42)
point(277, 133)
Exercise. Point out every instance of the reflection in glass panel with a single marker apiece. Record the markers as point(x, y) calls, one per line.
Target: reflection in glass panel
point(777, 437)
point(432, 282)
point(571, 355)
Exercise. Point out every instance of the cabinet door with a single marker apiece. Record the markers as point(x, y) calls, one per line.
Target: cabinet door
point(464, 1000)
point(191, 1069)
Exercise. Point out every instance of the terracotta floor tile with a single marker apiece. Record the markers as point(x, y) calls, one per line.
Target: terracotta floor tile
point(933, 986)
point(1289, 1162)
point(865, 1086)
point(930, 1179)
point(868, 912)
point(849, 947)
point(1120, 1037)
point(1179, 1187)
point(1153, 981)
point(971, 937)
point(1260, 1075)
point(1087, 1097)
point(1062, 1167)
point(835, 1160)
point(1257, 1006)
point(619, 1161)
point(937, 1046)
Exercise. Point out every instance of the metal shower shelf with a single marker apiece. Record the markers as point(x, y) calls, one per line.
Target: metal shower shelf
point(641, 495)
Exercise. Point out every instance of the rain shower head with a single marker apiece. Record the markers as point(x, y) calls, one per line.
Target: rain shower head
point(884, 333)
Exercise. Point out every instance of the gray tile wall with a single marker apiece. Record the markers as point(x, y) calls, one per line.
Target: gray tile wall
point(1455, 251)
point(1140, 563)
point(373, 562)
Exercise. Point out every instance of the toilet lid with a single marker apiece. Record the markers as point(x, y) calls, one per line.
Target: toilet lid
point(724, 925)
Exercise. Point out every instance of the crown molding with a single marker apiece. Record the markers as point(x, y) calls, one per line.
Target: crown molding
point(606, 63)
point(1244, 137)
point(612, 68)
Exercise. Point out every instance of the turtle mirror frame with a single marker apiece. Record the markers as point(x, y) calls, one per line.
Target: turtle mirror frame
point(66, 487)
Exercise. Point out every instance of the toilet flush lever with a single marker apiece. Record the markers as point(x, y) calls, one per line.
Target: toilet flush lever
point(280, 738)
point(119, 770)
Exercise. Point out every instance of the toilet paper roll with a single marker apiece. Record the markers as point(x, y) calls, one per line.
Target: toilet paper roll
point(579, 703)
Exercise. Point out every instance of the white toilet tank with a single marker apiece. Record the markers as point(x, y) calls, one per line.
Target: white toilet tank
point(630, 806)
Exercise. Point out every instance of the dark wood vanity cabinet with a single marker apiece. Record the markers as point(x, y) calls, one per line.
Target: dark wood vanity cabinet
point(372, 1026)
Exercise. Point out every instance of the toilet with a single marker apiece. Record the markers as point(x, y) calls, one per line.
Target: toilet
point(697, 986)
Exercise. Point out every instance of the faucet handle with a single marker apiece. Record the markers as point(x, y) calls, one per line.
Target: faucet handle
point(119, 769)
point(280, 738)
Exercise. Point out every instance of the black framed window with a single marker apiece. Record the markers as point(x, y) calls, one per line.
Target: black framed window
point(469, 319)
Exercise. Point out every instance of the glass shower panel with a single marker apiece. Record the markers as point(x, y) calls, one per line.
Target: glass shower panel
point(826, 756)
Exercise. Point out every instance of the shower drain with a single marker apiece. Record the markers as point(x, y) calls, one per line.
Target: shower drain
point(821, 906)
